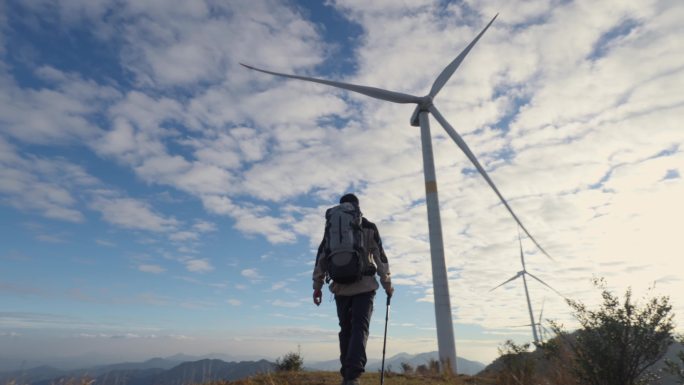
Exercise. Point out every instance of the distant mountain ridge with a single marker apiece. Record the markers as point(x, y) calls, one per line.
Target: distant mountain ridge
point(181, 369)
point(463, 365)
point(156, 371)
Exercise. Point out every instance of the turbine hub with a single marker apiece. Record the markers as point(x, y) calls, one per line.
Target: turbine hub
point(423, 106)
point(425, 102)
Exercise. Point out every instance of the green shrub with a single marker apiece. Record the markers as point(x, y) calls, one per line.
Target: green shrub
point(290, 362)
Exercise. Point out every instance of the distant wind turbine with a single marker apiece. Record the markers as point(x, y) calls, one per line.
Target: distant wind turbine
point(425, 106)
point(541, 329)
point(540, 326)
point(522, 273)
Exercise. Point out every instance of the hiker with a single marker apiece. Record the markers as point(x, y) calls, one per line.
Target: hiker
point(353, 282)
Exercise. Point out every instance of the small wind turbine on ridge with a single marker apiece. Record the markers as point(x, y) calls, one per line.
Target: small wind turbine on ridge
point(424, 107)
point(522, 273)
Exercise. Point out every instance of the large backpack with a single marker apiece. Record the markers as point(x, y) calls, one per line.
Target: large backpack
point(347, 258)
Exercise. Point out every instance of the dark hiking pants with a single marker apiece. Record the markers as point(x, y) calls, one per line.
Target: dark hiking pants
point(354, 313)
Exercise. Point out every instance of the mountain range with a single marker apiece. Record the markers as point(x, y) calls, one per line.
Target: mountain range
point(182, 369)
point(156, 371)
point(393, 363)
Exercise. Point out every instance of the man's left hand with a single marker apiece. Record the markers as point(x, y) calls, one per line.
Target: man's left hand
point(317, 297)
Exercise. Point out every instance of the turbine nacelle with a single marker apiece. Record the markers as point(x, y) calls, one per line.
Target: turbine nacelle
point(424, 105)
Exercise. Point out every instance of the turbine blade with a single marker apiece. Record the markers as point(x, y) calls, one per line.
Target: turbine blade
point(522, 255)
point(520, 273)
point(378, 93)
point(464, 147)
point(541, 313)
point(545, 284)
point(451, 68)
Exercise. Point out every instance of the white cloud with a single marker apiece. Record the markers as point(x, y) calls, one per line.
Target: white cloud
point(182, 236)
point(251, 219)
point(198, 265)
point(154, 269)
point(204, 226)
point(278, 285)
point(252, 274)
point(59, 114)
point(234, 302)
point(181, 48)
point(42, 184)
point(288, 304)
point(132, 214)
point(104, 242)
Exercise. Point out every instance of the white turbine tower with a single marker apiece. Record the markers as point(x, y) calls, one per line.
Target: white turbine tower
point(522, 273)
point(425, 105)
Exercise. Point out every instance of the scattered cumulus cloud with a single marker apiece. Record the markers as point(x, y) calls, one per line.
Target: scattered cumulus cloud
point(104, 242)
point(204, 226)
point(198, 265)
point(154, 269)
point(133, 214)
point(184, 236)
point(288, 304)
point(252, 275)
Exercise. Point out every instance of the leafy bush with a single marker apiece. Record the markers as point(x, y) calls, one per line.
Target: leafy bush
point(620, 340)
point(290, 362)
point(406, 368)
point(518, 365)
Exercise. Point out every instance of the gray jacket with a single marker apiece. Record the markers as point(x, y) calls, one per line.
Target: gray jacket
point(373, 244)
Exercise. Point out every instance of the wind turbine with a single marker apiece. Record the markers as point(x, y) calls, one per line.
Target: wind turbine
point(425, 106)
point(541, 329)
point(522, 273)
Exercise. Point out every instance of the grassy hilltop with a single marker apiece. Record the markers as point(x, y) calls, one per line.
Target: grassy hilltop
point(333, 378)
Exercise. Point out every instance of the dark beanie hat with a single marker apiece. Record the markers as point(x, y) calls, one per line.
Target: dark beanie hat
point(351, 198)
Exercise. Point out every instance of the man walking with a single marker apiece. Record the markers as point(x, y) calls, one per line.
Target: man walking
point(354, 299)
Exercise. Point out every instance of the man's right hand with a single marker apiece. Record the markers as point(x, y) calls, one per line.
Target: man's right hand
point(317, 297)
point(390, 291)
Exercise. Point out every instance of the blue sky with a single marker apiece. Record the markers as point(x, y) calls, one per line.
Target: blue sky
point(157, 198)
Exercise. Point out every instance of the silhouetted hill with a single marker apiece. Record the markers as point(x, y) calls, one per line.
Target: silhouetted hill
point(210, 370)
point(153, 363)
point(145, 373)
point(28, 376)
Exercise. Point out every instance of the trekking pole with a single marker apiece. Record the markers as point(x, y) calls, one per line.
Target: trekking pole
point(384, 343)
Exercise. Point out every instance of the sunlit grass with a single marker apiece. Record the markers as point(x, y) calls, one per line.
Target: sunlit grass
point(64, 381)
point(333, 378)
